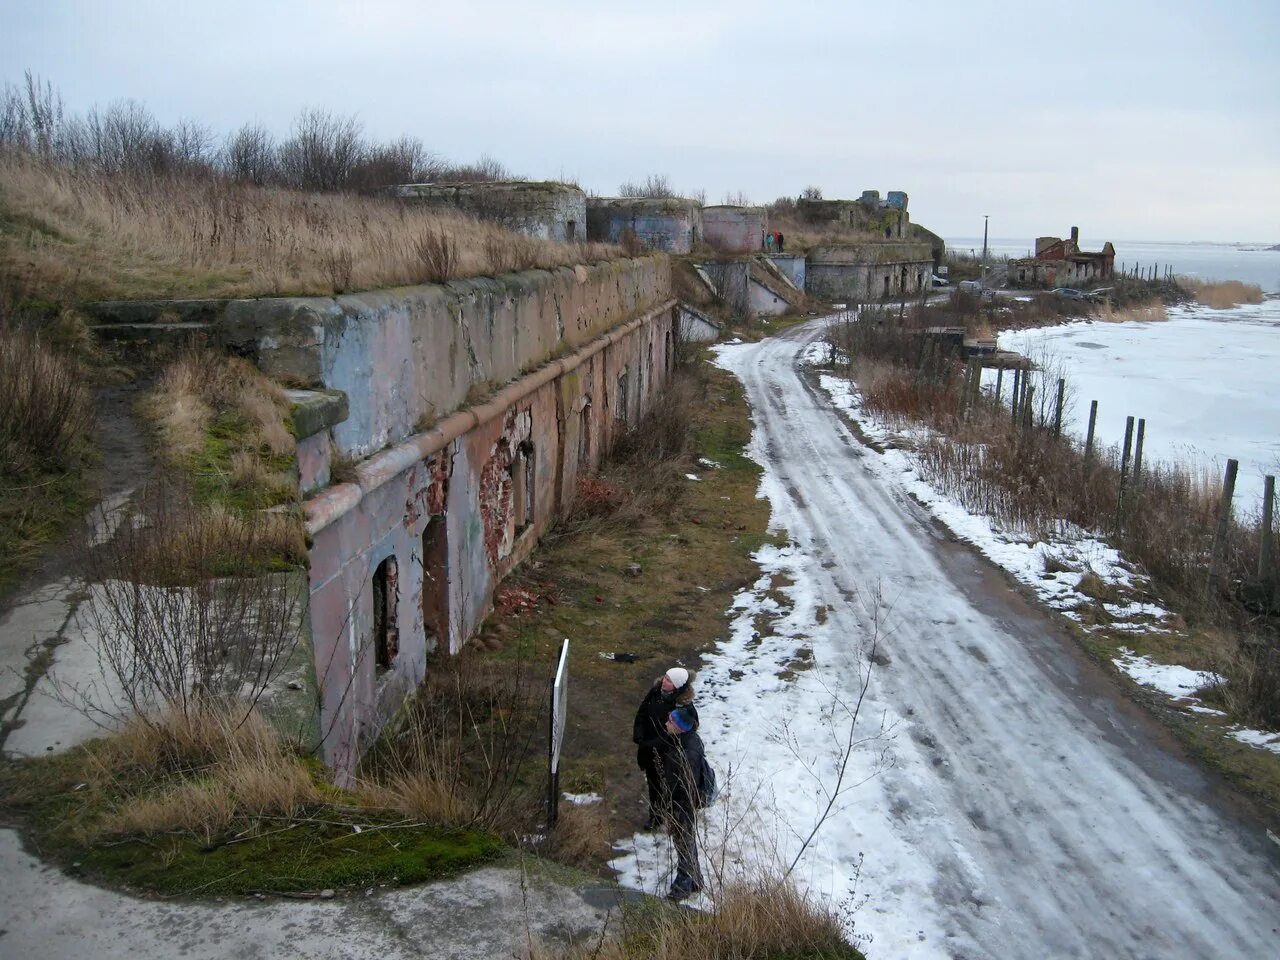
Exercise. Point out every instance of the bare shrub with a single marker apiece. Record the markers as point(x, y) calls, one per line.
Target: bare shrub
point(1251, 691)
point(437, 254)
point(1221, 295)
point(656, 185)
point(183, 614)
point(458, 756)
point(45, 408)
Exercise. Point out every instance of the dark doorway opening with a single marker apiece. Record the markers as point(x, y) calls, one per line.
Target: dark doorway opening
point(435, 582)
point(386, 632)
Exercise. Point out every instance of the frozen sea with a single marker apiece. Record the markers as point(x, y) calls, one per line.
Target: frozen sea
point(1207, 382)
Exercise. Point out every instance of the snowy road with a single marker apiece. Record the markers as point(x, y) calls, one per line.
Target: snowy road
point(1026, 808)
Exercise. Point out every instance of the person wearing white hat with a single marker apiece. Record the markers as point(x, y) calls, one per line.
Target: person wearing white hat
point(671, 690)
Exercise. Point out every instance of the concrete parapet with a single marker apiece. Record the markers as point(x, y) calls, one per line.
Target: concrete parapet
point(553, 211)
point(670, 224)
point(735, 229)
point(411, 355)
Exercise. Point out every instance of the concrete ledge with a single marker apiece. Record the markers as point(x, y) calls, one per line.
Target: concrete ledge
point(153, 311)
point(315, 410)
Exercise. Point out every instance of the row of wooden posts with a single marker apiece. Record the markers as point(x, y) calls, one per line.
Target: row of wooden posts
point(1154, 271)
point(1021, 411)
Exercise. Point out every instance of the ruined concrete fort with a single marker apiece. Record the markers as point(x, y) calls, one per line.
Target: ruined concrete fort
point(441, 428)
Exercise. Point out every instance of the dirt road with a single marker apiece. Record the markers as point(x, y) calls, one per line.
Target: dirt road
point(1017, 805)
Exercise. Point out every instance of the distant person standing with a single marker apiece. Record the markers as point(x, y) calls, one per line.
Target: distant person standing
point(680, 760)
point(673, 689)
point(768, 242)
point(779, 241)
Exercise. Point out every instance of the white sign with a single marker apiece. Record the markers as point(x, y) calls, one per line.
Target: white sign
point(559, 706)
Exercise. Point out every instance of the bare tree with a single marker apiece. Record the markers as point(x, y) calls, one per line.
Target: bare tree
point(249, 155)
point(322, 152)
point(811, 193)
point(182, 612)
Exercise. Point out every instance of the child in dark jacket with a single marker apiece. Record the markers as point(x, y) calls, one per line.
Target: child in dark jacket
point(679, 760)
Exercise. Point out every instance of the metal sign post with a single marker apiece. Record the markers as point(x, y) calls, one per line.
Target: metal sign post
point(559, 707)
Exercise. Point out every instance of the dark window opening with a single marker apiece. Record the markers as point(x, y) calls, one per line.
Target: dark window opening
point(584, 435)
point(886, 284)
point(522, 486)
point(888, 233)
point(620, 405)
point(435, 581)
point(570, 229)
point(386, 634)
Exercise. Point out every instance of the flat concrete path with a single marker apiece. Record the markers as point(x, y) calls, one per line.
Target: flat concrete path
point(487, 914)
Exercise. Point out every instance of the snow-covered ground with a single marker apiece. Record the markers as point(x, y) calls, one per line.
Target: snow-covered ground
point(1205, 380)
point(1000, 799)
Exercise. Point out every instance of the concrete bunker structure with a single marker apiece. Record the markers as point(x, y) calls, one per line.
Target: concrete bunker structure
point(752, 286)
point(869, 271)
point(886, 219)
point(552, 211)
point(670, 224)
point(444, 495)
point(733, 229)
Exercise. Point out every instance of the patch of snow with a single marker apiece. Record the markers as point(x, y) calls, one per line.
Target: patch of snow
point(692, 476)
point(1259, 738)
point(1170, 679)
point(581, 799)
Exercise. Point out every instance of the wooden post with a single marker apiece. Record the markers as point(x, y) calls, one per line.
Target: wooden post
point(1218, 558)
point(1029, 406)
point(1093, 422)
point(1015, 395)
point(1137, 457)
point(1124, 470)
point(1057, 408)
point(999, 382)
point(1266, 574)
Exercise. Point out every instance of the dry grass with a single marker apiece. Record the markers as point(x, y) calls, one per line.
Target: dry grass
point(1152, 311)
point(763, 919)
point(583, 836)
point(1221, 295)
point(45, 407)
point(74, 234)
point(199, 772)
point(219, 418)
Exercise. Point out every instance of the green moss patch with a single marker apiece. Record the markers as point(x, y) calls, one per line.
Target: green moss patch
point(294, 858)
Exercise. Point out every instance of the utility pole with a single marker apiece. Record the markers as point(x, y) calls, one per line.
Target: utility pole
point(985, 218)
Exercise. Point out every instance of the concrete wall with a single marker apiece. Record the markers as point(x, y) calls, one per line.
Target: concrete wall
point(735, 229)
point(793, 265)
point(455, 508)
point(409, 356)
point(673, 224)
point(554, 211)
point(869, 271)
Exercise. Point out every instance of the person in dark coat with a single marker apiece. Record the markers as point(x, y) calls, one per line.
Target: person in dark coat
point(673, 689)
point(679, 759)
point(780, 240)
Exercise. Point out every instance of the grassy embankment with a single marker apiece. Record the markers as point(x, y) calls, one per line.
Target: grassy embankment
point(1028, 480)
point(68, 235)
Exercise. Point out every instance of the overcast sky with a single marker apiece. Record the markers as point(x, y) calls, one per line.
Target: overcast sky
point(1134, 120)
